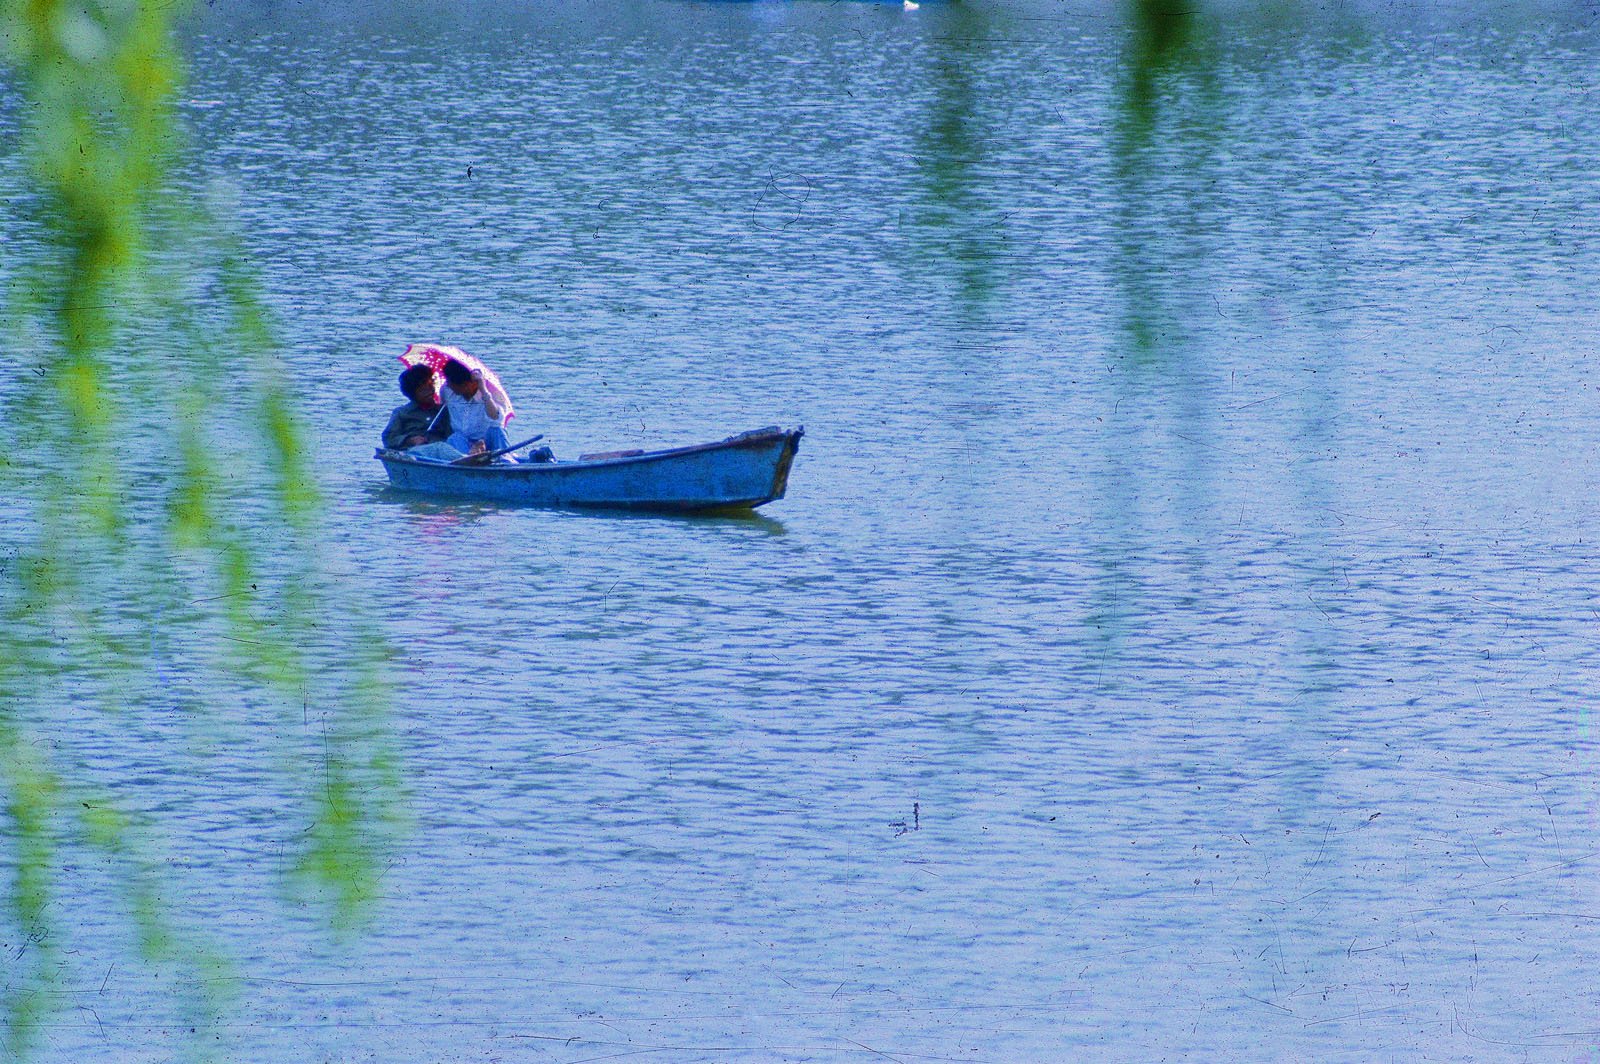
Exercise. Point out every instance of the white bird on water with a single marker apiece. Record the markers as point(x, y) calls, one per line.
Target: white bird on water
point(911, 5)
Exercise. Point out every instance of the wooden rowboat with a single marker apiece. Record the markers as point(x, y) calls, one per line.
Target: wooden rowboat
point(740, 472)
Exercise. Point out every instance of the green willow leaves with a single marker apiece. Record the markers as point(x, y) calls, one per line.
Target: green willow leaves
point(160, 559)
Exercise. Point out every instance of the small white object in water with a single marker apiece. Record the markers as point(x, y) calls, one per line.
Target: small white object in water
point(910, 6)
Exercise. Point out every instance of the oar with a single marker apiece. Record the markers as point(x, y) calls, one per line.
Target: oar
point(479, 459)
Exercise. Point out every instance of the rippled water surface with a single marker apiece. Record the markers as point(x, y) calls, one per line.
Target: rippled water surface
point(1178, 641)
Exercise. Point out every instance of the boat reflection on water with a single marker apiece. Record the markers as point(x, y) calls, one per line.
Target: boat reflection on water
point(438, 514)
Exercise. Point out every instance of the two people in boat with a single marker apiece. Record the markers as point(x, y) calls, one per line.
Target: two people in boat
point(469, 418)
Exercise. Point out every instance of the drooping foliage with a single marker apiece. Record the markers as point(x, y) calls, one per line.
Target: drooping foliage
point(161, 554)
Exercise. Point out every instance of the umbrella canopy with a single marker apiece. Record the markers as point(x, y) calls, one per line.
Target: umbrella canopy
point(434, 356)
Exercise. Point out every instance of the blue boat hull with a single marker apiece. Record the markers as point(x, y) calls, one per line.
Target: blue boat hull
point(742, 471)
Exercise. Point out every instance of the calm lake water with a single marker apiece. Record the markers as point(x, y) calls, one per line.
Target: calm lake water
point(1179, 640)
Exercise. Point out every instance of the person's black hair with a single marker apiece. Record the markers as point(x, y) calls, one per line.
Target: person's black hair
point(456, 372)
point(412, 376)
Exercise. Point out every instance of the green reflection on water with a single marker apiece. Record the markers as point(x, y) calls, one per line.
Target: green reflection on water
point(1172, 119)
point(1158, 247)
point(1168, 121)
point(1160, 39)
point(955, 230)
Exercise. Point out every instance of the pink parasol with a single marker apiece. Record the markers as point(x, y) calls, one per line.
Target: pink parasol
point(434, 356)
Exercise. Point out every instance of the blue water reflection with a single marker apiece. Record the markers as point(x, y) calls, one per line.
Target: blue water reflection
point(1176, 641)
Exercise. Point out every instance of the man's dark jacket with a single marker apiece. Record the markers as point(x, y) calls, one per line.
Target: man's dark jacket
point(412, 420)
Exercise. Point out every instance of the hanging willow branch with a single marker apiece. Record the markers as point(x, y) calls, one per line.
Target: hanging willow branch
point(156, 449)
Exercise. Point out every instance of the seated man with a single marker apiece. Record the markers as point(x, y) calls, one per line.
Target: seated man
point(422, 425)
point(477, 410)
